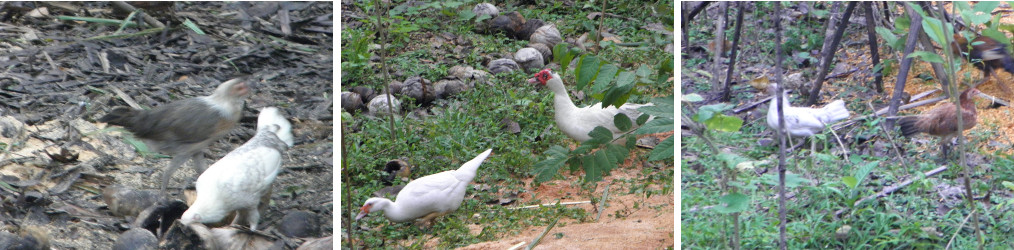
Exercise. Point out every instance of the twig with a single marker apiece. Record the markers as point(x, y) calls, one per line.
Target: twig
point(957, 231)
point(124, 6)
point(139, 33)
point(517, 246)
point(50, 60)
point(872, 39)
point(843, 148)
point(994, 99)
point(825, 63)
point(890, 139)
point(551, 204)
point(921, 95)
point(781, 128)
point(126, 98)
point(716, 61)
point(727, 91)
point(605, 195)
point(906, 63)
point(544, 232)
point(884, 110)
point(891, 189)
point(380, 26)
point(752, 104)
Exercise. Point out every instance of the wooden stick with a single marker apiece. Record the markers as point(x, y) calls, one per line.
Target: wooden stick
point(825, 63)
point(517, 246)
point(551, 204)
point(891, 189)
point(994, 99)
point(128, 8)
point(126, 98)
point(921, 95)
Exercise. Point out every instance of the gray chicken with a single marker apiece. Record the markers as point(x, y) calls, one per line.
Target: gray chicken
point(184, 128)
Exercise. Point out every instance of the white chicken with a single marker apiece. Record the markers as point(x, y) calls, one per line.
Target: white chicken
point(428, 197)
point(242, 177)
point(804, 122)
point(577, 122)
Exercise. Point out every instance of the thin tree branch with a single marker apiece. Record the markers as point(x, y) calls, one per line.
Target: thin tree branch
point(825, 63)
point(726, 93)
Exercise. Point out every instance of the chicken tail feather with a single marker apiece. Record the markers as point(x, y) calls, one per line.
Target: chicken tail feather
point(835, 111)
point(908, 126)
point(120, 116)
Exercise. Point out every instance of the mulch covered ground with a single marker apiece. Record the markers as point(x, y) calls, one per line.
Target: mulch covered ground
point(58, 76)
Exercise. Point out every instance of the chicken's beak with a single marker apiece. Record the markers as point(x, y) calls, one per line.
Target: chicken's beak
point(533, 80)
point(361, 215)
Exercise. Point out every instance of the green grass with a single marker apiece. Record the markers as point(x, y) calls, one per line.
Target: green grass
point(911, 217)
point(469, 123)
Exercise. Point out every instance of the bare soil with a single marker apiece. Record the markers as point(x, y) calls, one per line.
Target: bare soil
point(628, 221)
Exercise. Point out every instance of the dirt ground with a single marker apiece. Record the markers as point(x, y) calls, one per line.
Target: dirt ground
point(646, 223)
point(56, 82)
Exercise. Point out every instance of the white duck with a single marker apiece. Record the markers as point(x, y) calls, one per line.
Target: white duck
point(576, 122)
point(428, 197)
point(804, 122)
point(239, 180)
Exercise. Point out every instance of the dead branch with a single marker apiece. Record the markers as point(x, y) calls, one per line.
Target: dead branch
point(891, 189)
point(825, 63)
point(125, 7)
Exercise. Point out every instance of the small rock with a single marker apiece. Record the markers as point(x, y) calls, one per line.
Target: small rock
point(366, 93)
point(510, 126)
point(529, 28)
point(11, 128)
point(136, 238)
point(419, 89)
point(378, 106)
point(502, 65)
point(530, 59)
point(469, 75)
point(128, 202)
point(300, 224)
point(548, 35)
point(486, 9)
point(318, 244)
point(544, 50)
point(449, 87)
point(351, 102)
point(28, 237)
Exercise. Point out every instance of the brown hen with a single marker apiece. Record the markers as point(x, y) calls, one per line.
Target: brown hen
point(942, 120)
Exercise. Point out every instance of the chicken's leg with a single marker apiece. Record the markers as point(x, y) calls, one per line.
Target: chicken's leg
point(253, 215)
point(177, 161)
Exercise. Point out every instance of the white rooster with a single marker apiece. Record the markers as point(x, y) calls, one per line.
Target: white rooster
point(804, 122)
point(242, 177)
point(428, 197)
point(576, 122)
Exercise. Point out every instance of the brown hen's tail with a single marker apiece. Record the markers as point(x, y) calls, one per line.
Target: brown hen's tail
point(120, 116)
point(908, 126)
